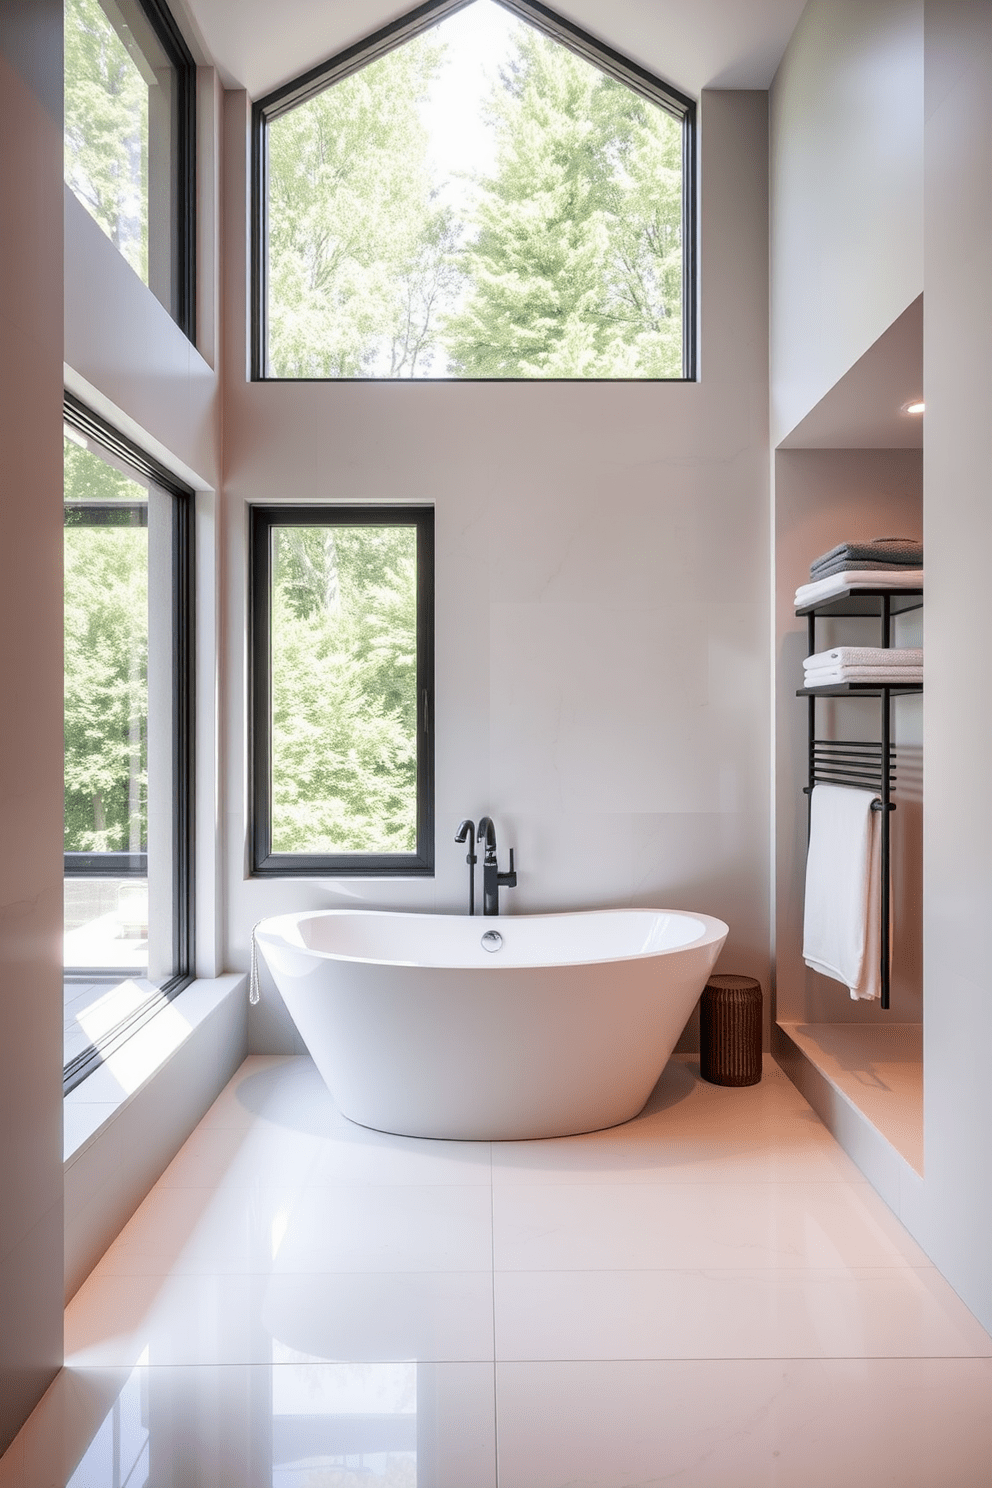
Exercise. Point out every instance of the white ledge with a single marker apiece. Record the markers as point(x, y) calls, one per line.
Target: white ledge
point(102, 1096)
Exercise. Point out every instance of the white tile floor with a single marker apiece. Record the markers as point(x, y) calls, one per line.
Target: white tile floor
point(710, 1295)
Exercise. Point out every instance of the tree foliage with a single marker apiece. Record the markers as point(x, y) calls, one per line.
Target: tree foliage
point(359, 250)
point(570, 264)
point(344, 690)
point(106, 661)
point(106, 130)
point(344, 680)
point(574, 267)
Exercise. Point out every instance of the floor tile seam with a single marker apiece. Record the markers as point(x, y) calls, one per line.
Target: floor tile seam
point(455, 1363)
point(249, 1186)
point(773, 1268)
point(717, 1146)
point(696, 1139)
point(172, 1274)
point(684, 1359)
point(331, 1271)
point(256, 1187)
point(769, 1185)
point(772, 1182)
point(485, 1358)
point(833, 1272)
point(213, 1277)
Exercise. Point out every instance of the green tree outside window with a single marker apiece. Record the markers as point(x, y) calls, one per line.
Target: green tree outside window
point(106, 130)
point(563, 260)
point(106, 666)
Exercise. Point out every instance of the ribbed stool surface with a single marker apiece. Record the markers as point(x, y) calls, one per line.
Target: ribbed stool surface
point(730, 1030)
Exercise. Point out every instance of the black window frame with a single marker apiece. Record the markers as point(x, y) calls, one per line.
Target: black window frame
point(264, 863)
point(164, 25)
point(396, 34)
point(94, 428)
point(173, 43)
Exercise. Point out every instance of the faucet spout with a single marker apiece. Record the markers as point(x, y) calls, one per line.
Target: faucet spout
point(492, 879)
point(487, 834)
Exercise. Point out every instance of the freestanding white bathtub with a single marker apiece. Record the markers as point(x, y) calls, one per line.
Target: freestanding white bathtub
point(418, 1029)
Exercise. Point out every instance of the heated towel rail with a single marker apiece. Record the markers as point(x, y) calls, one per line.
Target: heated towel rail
point(866, 764)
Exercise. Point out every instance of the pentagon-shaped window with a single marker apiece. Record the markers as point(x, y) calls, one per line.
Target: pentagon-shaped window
point(480, 190)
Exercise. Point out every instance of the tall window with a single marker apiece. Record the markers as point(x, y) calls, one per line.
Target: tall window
point(129, 130)
point(128, 745)
point(479, 190)
point(342, 678)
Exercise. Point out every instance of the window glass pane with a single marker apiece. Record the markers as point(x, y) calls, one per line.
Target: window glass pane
point(106, 658)
point(120, 121)
point(344, 689)
point(120, 946)
point(479, 202)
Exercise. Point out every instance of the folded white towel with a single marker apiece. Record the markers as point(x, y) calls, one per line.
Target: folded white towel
point(866, 656)
point(841, 931)
point(830, 676)
point(907, 578)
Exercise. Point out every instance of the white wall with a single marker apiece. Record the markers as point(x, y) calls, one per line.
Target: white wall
point(602, 583)
point(31, 686)
point(958, 730)
point(846, 180)
point(126, 357)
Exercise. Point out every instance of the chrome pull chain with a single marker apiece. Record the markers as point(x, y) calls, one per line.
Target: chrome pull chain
point(254, 990)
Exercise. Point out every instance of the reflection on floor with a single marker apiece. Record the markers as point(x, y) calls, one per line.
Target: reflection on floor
point(877, 1068)
point(710, 1296)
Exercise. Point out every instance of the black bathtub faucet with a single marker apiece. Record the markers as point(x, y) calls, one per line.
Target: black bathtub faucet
point(466, 830)
point(492, 879)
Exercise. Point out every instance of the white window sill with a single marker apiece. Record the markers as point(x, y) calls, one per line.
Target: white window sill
point(95, 1103)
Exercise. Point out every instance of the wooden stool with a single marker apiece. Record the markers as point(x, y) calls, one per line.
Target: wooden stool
point(730, 1031)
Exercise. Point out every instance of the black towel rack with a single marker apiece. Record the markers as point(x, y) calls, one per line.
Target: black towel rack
point(865, 764)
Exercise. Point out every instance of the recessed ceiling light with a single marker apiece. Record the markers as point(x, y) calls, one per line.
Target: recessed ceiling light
point(914, 406)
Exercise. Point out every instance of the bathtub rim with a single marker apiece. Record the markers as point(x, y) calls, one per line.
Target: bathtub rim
point(269, 931)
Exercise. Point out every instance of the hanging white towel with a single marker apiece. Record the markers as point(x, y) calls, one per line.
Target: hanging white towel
point(841, 932)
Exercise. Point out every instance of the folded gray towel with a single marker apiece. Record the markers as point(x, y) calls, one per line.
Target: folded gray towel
point(906, 550)
point(847, 565)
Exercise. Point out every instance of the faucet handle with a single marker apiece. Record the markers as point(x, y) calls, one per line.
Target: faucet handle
point(508, 880)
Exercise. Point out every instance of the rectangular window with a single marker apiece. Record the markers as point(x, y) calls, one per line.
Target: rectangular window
point(128, 740)
point(130, 84)
point(342, 680)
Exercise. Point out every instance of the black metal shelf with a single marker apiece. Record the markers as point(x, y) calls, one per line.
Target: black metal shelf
point(865, 602)
point(868, 764)
point(860, 689)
